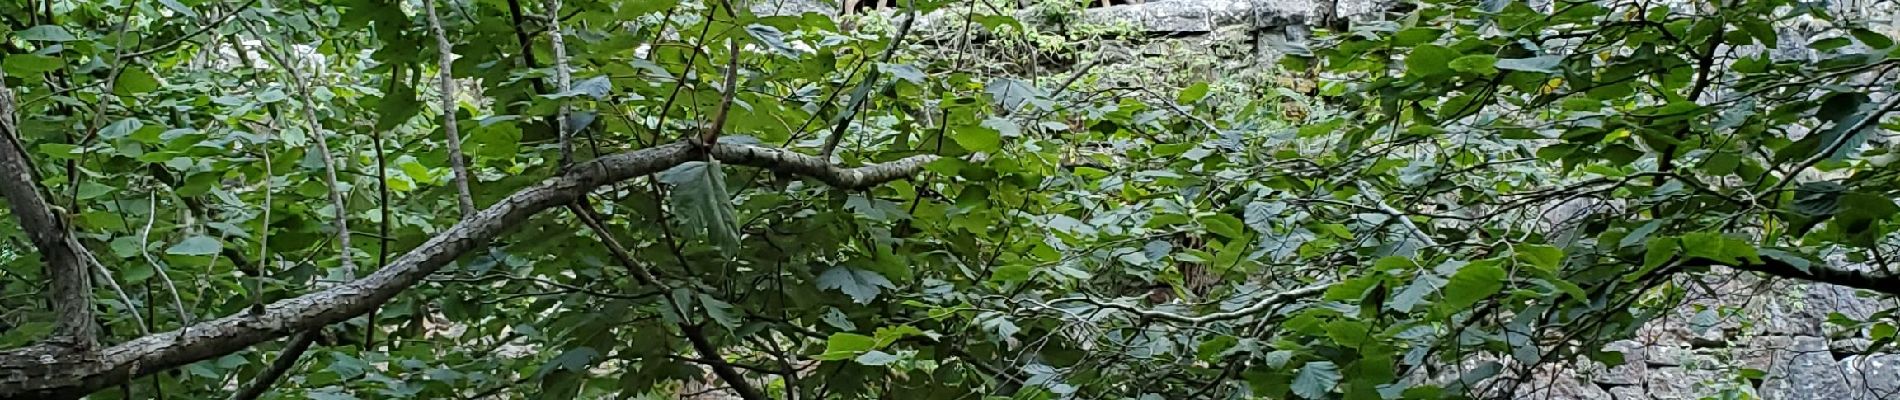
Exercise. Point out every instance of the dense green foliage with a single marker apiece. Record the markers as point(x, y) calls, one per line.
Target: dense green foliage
point(1394, 233)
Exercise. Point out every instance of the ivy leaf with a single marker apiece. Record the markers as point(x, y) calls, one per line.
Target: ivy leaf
point(1316, 379)
point(196, 246)
point(863, 286)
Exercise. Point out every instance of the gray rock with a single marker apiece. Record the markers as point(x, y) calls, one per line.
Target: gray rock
point(1810, 372)
point(794, 7)
point(1880, 373)
point(1633, 369)
point(1628, 393)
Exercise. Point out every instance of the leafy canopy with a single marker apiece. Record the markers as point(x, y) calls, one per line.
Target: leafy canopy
point(1475, 182)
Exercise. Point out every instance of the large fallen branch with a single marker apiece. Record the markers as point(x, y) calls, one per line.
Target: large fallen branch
point(47, 371)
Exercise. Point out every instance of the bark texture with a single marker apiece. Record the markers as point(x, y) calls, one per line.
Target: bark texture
point(71, 289)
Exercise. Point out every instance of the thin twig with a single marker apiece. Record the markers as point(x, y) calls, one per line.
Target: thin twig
point(1872, 118)
point(562, 82)
point(285, 360)
point(145, 242)
point(464, 198)
point(725, 99)
point(863, 91)
point(315, 128)
point(106, 275)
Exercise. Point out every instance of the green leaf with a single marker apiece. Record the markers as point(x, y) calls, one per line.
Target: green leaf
point(699, 191)
point(1872, 39)
point(1192, 93)
point(1429, 60)
point(1225, 225)
point(1641, 233)
point(196, 246)
point(876, 358)
point(1719, 247)
point(978, 138)
point(1544, 64)
point(121, 128)
point(1415, 293)
point(841, 346)
point(25, 65)
point(1480, 64)
point(1657, 252)
point(45, 33)
point(1012, 94)
point(1474, 282)
point(863, 286)
point(720, 311)
point(1011, 273)
point(772, 38)
point(1793, 260)
point(1541, 256)
point(1316, 379)
point(60, 151)
point(134, 80)
point(1003, 126)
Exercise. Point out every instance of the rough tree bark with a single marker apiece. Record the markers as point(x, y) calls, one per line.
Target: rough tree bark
point(71, 289)
point(52, 371)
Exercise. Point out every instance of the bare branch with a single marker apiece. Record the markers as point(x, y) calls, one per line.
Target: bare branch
point(44, 371)
point(71, 289)
point(1873, 281)
point(562, 82)
point(694, 333)
point(464, 198)
point(725, 99)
